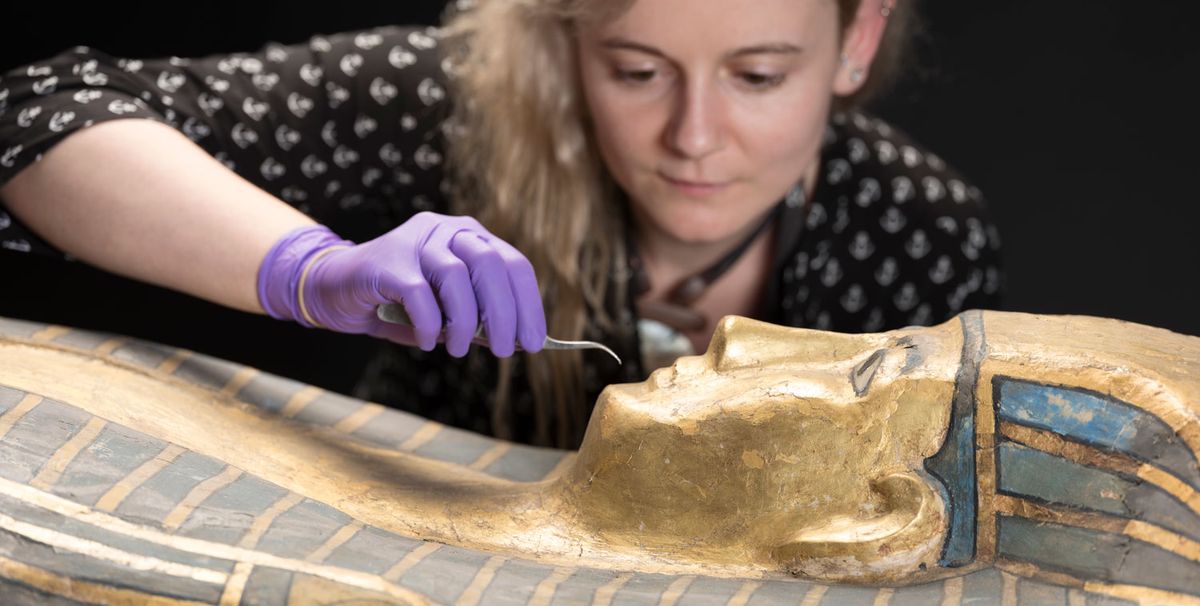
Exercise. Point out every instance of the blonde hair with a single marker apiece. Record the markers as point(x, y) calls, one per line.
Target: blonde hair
point(523, 162)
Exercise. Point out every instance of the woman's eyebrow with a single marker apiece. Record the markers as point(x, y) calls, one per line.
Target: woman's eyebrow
point(623, 44)
point(773, 48)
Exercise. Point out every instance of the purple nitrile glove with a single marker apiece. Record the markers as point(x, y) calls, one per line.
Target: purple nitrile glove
point(448, 272)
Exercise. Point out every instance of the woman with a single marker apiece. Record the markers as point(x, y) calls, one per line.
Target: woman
point(657, 163)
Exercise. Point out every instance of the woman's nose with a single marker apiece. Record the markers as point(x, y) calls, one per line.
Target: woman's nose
point(696, 128)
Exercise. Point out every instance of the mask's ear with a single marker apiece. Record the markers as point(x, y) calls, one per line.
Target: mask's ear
point(905, 534)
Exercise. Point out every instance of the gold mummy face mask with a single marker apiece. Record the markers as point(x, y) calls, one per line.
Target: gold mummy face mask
point(779, 444)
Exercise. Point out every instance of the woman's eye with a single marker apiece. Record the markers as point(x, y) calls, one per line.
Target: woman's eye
point(757, 80)
point(635, 76)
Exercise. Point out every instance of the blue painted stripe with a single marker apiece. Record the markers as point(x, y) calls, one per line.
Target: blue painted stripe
point(954, 463)
point(1081, 415)
point(1097, 420)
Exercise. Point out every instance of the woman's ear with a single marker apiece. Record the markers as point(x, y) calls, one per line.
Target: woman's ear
point(860, 42)
point(905, 536)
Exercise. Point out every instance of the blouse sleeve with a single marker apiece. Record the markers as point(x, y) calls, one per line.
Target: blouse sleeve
point(347, 128)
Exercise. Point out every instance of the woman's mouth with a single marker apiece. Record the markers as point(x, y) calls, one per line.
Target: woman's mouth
point(696, 189)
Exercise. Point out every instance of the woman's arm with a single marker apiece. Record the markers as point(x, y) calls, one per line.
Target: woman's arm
point(138, 198)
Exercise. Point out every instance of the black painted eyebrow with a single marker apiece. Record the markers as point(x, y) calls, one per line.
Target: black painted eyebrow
point(772, 48)
point(861, 376)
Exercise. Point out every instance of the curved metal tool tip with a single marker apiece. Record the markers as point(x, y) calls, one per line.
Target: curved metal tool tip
point(552, 343)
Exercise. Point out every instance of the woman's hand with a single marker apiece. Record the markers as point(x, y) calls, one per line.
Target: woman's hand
point(448, 272)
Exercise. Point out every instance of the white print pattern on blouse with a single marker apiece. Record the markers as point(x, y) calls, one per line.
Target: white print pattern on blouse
point(35, 71)
point(816, 217)
point(854, 299)
point(210, 104)
point(903, 189)
point(934, 190)
point(942, 270)
point(401, 58)
point(947, 224)
point(887, 272)
point(407, 122)
point(224, 159)
point(265, 81)
point(277, 54)
point(958, 190)
point(313, 167)
point(934, 162)
point(364, 125)
point(9, 158)
point(60, 120)
point(843, 218)
point(16, 245)
point(28, 115)
point(121, 107)
point(874, 321)
point(271, 169)
point(922, 316)
point(320, 44)
point(869, 192)
point(350, 64)
point(87, 95)
point(45, 87)
point(329, 133)
point(255, 109)
point(170, 82)
point(371, 176)
point(426, 157)
point(286, 137)
point(5, 220)
point(862, 247)
point(132, 66)
point(250, 65)
point(911, 156)
point(421, 40)
point(293, 194)
point(893, 220)
point(857, 150)
point(383, 91)
point(242, 136)
point(337, 95)
point(886, 152)
point(311, 74)
point(332, 188)
point(367, 40)
point(430, 92)
point(95, 79)
point(832, 274)
point(838, 172)
point(906, 298)
point(216, 85)
point(195, 129)
point(344, 156)
point(991, 284)
point(918, 244)
point(390, 155)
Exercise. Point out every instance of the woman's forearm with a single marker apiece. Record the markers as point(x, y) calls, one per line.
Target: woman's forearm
point(139, 199)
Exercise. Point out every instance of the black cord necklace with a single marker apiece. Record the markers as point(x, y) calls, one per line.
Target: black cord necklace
point(676, 310)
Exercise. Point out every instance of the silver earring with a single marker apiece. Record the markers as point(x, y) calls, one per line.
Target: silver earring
point(856, 75)
point(886, 10)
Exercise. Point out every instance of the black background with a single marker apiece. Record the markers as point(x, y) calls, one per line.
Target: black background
point(1077, 118)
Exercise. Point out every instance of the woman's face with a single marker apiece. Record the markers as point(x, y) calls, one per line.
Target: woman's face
point(707, 112)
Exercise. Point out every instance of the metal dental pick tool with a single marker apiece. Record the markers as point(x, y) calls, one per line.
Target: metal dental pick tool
point(396, 314)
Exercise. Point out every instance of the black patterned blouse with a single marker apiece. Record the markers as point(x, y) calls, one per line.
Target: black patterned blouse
point(348, 128)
